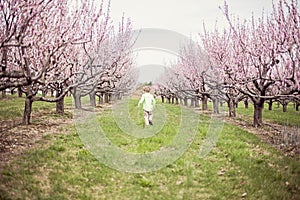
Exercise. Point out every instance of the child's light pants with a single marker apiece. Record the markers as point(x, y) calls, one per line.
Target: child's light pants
point(148, 115)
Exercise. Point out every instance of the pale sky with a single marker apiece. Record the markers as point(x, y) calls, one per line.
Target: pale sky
point(183, 16)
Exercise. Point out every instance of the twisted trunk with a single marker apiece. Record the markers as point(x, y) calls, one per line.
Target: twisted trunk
point(27, 110)
point(92, 99)
point(106, 98)
point(100, 99)
point(216, 105)
point(60, 106)
point(231, 108)
point(204, 102)
point(258, 108)
point(77, 98)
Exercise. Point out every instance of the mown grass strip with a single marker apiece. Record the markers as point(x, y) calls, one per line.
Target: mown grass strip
point(239, 166)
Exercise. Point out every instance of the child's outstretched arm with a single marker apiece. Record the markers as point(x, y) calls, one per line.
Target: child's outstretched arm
point(141, 100)
point(153, 102)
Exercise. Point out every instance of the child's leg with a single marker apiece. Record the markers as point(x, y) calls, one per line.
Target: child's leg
point(150, 117)
point(146, 117)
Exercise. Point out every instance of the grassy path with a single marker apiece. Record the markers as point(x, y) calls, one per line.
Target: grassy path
point(239, 167)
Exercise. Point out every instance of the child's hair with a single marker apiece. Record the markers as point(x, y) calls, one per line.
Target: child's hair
point(147, 89)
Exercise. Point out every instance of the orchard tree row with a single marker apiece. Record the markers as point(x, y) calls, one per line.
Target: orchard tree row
point(52, 45)
point(256, 60)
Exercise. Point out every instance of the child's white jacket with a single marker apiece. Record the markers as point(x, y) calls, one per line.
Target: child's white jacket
point(148, 101)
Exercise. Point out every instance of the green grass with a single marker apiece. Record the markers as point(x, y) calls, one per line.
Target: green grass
point(131, 143)
point(12, 107)
point(240, 164)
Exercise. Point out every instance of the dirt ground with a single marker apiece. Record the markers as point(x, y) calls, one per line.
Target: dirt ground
point(16, 139)
point(285, 139)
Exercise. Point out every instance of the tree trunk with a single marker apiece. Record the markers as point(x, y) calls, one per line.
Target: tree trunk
point(246, 103)
point(60, 106)
point(231, 108)
point(297, 104)
point(120, 96)
point(100, 99)
point(19, 92)
point(168, 100)
point(12, 92)
point(284, 107)
point(204, 102)
point(176, 101)
point(257, 118)
point(270, 103)
point(3, 94)
point(4, 64)
point(106, 98)
point(236, 104)
point(180, 101)
point(192, 103)
point(112, 98)
point(77, 98)
point(52, 93)
point(185, 101)
point(27, 110)
point(162, 99)
point(221, 103)
point(197, 102)
point(44, 92)
point(215, 105)
point(92, 99)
